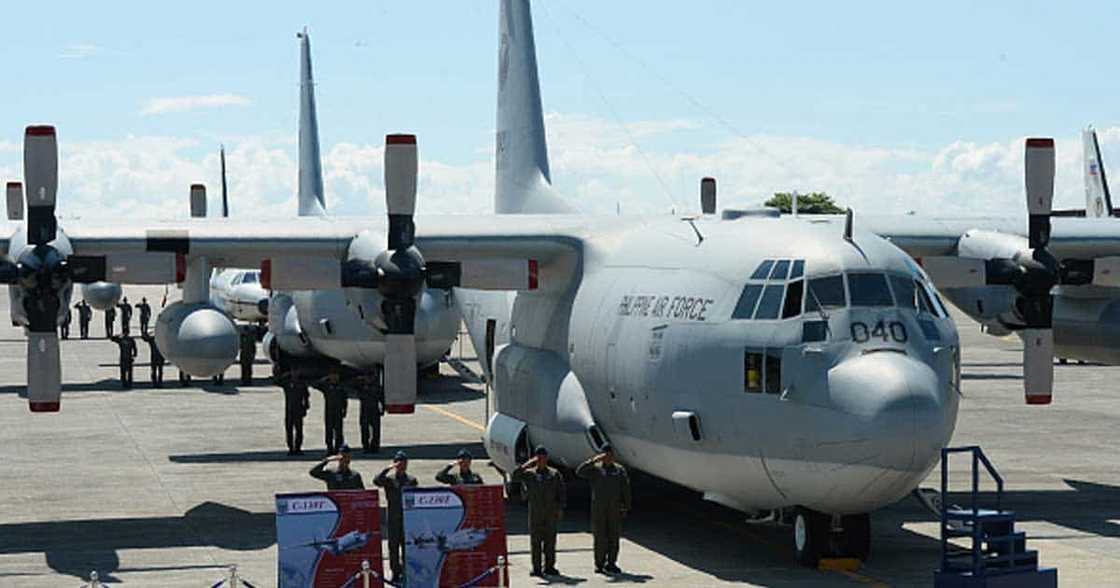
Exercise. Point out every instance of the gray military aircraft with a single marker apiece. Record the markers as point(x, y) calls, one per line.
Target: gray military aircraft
point(766, 362)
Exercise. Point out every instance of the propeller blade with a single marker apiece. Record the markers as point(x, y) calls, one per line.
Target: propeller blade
point(9, 272)
point(44, 372)
point(40, 172)
point(15, 201)
point(400, 373)
point(1038, 365)
point(400, 189)
point(359, 273)
point(198, 201)
point(956, 272)
point(1039, 165)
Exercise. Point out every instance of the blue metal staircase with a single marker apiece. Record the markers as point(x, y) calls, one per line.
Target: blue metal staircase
point(997, 555)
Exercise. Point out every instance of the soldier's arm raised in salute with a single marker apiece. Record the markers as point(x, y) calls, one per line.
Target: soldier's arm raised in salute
point(444, 476)
point(587, 469)
point(319, 472)
point(382, 479)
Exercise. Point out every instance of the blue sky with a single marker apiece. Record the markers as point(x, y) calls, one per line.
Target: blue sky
point(686, 80)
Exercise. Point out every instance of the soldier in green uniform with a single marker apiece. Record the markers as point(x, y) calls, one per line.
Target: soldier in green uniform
point(610, 501)
point(547, 496)
point(394, 479)
point(462, 477)
point(342, 478)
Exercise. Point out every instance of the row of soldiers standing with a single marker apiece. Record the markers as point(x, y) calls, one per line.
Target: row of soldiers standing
point(545, 492)
point(85, 316)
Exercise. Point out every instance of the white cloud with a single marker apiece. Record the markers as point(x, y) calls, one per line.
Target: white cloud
point(80, 51)
point(186, 103)
point(593, 163)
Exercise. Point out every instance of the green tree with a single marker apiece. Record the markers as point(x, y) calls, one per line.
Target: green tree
point(811, 203)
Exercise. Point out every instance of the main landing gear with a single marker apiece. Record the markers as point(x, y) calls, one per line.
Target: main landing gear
point(818, 535)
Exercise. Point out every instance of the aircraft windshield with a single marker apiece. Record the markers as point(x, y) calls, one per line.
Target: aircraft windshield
point(869, 290)
point(825, 293)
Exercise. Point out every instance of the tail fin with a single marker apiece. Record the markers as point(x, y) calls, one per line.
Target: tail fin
point(225, 200)
point(1098, 201)
point(311, 202)
point(523, 184)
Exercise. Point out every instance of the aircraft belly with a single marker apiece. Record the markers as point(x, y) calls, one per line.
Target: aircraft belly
point(740, 478)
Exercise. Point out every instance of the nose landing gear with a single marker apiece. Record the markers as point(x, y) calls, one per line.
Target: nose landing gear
point(818, 535)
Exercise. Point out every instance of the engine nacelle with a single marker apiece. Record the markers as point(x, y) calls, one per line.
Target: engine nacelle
point(991, 305)
point(198, 338)
point(284, 328)
point(101, 295)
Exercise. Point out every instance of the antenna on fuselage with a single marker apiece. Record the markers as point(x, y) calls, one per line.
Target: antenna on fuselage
point(708, 195)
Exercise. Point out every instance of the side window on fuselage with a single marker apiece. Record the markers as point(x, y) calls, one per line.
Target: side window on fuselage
point(762, 371)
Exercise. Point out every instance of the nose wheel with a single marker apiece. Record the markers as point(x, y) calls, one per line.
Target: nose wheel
point(818, 535)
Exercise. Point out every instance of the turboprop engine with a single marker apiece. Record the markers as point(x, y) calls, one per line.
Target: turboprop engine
point(198, 338)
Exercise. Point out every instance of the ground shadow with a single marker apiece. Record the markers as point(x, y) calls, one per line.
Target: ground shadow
point(445, 451)
point(77, 547)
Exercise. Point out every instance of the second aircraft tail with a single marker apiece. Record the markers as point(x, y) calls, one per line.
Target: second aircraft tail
point(1098, 201)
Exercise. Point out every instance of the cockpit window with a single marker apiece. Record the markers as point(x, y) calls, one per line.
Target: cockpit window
point(781, 270)
point(250, 278)
point(798, 269)
point(869, 289)
point(763, 270)
point(825, 293)
point(924, 303)
point(792, 306)
point(903, 289)
point(747, 301)
point(771, 303)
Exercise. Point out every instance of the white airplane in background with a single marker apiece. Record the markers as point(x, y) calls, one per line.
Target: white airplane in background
point(767, 363)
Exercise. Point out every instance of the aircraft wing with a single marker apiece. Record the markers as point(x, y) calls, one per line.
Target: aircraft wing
point(922, 236)
point(241, 243)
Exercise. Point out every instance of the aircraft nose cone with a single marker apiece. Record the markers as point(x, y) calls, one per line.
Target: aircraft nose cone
point(897, 407)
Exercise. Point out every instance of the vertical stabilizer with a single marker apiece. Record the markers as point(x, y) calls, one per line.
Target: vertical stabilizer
point(522, 183)
point(225, 199)
point(311, 201)
point(1098, 201)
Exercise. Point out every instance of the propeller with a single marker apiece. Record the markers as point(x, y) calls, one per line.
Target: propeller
point(398, 274)
point(1033, 276)
point(42, 270)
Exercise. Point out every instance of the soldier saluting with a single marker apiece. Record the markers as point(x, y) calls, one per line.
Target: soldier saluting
point(145, 315)
point(342, 478)
point(547, 495)
point(85, 314)
point(610, 501)
point(394, 479)
point(463, 476)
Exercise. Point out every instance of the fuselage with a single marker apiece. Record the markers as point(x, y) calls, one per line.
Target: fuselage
point(771, 363)
point(240, 294)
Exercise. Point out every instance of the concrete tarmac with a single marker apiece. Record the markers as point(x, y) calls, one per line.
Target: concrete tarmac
point(167, 487)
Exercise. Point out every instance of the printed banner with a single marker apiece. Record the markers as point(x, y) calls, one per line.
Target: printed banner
point(322, 537)
point(454, 535)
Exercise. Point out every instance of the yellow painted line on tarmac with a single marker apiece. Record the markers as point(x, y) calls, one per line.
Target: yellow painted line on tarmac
point(453, 416)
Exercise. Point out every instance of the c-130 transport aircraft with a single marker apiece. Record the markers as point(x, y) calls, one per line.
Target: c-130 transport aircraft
point(768, 363)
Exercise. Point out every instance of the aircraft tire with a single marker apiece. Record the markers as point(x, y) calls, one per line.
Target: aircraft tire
point(856, 538)
point(810, 536)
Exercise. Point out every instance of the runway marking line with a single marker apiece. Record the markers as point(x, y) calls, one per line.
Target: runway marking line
point(453, 416)
point(841, 569)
